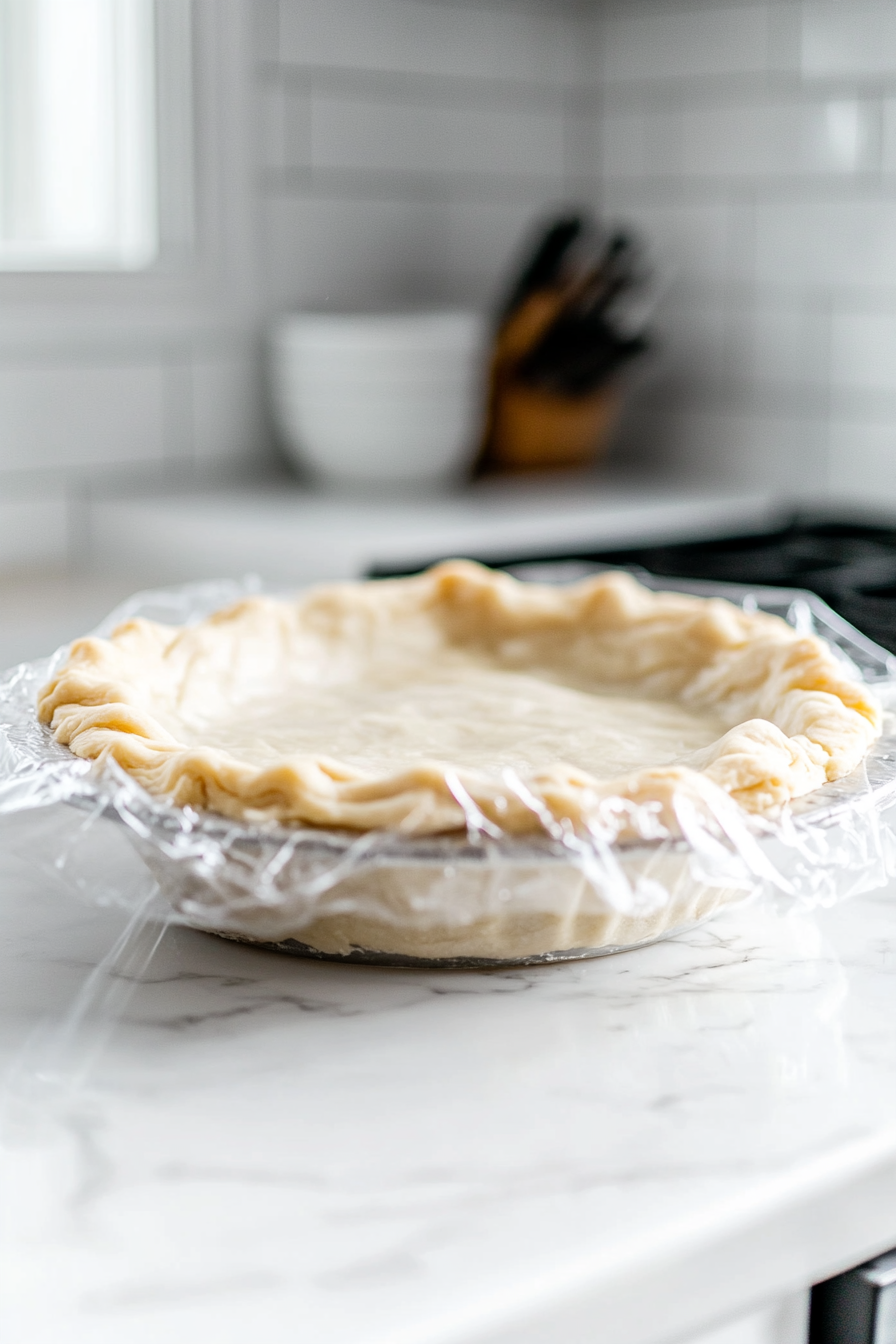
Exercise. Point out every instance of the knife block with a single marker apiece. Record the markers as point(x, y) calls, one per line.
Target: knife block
point(533, 429)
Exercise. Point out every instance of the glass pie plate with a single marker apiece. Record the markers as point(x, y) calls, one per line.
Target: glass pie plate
point(480, 898)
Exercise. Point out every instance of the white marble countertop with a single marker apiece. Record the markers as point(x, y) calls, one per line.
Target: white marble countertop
point(239, 1145)
point(222, 1143)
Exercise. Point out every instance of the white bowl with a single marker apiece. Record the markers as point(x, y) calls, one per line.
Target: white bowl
point(392, 399)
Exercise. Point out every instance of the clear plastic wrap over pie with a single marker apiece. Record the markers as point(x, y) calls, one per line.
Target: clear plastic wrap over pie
point(465, 766)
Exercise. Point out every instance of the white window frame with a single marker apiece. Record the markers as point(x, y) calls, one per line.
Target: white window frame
point(203, 284)
point(40, 194)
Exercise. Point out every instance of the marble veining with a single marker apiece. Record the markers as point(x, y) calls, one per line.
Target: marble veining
point(222, 1142)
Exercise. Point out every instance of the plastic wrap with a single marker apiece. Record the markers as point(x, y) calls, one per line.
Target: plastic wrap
point(475, 898)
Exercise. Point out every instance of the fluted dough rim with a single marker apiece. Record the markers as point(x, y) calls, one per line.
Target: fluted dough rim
point(796, 720)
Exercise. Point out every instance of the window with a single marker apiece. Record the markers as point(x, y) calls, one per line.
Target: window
point(78, 162)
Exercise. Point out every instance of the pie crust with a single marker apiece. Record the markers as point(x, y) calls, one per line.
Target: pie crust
point(463, 697)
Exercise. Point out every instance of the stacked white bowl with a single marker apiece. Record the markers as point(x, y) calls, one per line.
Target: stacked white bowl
point(389, 399)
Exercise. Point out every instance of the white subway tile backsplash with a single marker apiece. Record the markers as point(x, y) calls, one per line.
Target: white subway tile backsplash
point(759, 139)
point(719, 139)
point(272, 126)
point(422, 139)
point(581, 146)
point(33, 531)
point(862, 465)
point(731, 141)
point(785, 36)
point(691, 340)
point(756, 450)
point(484, 243)
point(624, 145)
point(688, 241)
point(888, 136)
point(843, 135)
point(285, 126)
point(827, 244)
point(81, 415)
point(266, 24)
point(352, 252)
point(772, 196)
point(641, 144)
point(373, 135)
point(682, 42)
point(409, 36)
point(782, 345)
point(849, 37)
point(228, 418)
point(863, 351)
point(297, 122)
point(786, 454)
point(363, 253)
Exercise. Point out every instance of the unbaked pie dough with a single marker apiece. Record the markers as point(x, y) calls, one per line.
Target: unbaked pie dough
point(464, 697)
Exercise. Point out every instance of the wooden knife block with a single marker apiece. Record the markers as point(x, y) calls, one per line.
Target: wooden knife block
point(533, 430)
point(530, 429)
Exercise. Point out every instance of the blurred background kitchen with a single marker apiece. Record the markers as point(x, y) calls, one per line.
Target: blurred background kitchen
point(178, 175)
